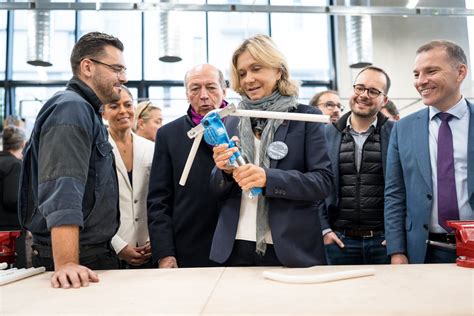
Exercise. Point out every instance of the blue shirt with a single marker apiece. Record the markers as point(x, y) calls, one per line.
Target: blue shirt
point(459, 125)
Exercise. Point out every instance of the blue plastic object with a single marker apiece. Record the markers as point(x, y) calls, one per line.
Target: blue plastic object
point(215, 134)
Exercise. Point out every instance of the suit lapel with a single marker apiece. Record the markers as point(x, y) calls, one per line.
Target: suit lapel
point(470, 153)
point(280, 135)
point(119, 163)
point(421, 145)
point(138, 153)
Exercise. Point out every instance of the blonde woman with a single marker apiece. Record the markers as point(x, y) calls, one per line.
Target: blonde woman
point(133, 157)
point(148, 119)
point(288, 159)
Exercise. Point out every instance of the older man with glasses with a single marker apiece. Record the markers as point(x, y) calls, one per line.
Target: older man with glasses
point(329, 103)
point(352, 216)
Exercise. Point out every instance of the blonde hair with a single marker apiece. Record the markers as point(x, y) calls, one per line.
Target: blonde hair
point(264, 50)
point(143, 111)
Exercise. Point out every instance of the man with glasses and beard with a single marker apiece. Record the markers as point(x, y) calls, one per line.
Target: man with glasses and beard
point(352, 216)
point(329, 103)
point(69, 194)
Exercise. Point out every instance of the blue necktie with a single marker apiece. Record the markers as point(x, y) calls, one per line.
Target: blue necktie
point(447, 198)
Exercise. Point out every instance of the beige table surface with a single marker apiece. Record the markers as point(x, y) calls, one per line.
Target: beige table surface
point(394, 290)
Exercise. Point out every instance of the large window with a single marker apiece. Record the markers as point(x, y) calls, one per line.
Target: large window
point(200, 37)
point(189, 39)
point(3, 40)
point(29, 101)
point(171, 100)
point(122, 24)
point(308, 61)
point(2, 106)
point(228, 30)
point(299, 2)
point(62, 41)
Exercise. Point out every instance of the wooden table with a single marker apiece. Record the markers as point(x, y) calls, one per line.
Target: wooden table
point(442, 289)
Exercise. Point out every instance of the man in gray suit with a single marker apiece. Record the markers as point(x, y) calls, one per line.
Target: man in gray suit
point(430, 164)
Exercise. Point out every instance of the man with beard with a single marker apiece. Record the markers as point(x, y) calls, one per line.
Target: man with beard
point(329, 103)
point(69, 194)
point(352, 216)
point(182, 219)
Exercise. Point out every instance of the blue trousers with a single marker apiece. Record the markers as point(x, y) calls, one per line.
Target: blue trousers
point(363, 250)
point(436, 254)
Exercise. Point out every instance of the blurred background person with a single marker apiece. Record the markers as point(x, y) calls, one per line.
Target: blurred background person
point(329, 103)
point(133, 157)
point(287, 159)
point(390, 110)
point(14, 140)
point(148, 119)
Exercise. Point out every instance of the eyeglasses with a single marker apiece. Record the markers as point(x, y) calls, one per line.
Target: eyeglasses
point(331, 105)
point(118, 69)
point(372, 92)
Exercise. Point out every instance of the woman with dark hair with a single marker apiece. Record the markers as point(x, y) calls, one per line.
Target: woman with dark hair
point(133, 156)
point(14, 140)
point(287, 159)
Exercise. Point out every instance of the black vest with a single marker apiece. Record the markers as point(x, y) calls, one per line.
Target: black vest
point(361, 203)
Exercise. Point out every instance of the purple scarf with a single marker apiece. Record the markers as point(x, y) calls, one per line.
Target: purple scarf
point(196, 118)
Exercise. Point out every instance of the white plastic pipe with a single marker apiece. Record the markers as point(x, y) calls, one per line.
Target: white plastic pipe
point(283, 116)
point(13, 275)
point(189, 161)
point(317, 278)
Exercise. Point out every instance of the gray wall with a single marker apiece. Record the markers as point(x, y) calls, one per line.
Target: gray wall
point(395, 40)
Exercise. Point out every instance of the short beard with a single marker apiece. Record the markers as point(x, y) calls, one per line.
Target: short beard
point(369, 114)
point(105, 94)
point(372, 112)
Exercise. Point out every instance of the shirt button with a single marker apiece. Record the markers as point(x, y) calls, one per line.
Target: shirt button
point(429, 196)
point(425, 226)
point(135, 201)
point(136, 219)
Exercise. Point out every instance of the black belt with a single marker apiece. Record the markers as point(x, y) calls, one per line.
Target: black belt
point(361, 233)
point(444, 238)
point(84, 250)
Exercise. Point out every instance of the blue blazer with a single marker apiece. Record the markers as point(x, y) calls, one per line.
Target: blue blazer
point(295, 186)
point(408, 186)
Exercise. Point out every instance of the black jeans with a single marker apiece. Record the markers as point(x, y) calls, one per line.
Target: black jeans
point(243, 254)
point(147, 265)
point(95, 257)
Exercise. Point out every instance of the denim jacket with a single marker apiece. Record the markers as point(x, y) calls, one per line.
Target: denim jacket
point(68, 173)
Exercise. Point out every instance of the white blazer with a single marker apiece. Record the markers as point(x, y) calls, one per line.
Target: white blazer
point(133, 228)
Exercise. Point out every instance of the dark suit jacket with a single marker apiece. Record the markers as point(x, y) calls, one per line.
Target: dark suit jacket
point(295, 186)
point(409, 188)
point(181, 219)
